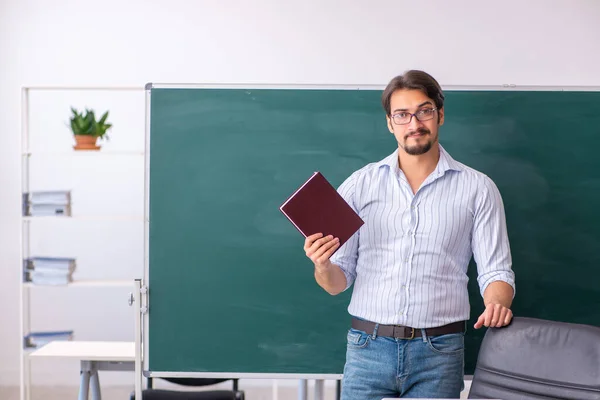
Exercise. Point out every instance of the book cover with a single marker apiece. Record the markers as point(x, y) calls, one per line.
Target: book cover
point(317, 207)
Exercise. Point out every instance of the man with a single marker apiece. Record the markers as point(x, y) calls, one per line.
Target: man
point(425, 215)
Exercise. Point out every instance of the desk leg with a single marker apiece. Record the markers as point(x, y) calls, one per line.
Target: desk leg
point(84, 385)
point(95, 384)
point(303, 389)
point(319, 389)
point(89, 375)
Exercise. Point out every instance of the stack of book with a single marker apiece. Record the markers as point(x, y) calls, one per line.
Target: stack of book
point(47, 203)
point(48, 270)
point(36, 340)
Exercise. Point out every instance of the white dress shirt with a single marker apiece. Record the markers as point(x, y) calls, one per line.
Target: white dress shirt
point(409, 261)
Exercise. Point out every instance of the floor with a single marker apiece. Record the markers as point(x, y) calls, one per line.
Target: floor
point(123, 393)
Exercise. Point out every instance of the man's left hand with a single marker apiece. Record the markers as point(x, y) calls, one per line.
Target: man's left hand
point(494, 316)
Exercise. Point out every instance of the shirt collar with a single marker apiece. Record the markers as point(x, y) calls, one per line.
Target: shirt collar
point(445, 163)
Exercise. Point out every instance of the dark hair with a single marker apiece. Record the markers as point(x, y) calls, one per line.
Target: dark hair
point(416, 80)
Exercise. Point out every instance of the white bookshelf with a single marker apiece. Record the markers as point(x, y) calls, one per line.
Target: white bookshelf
point(47, 157)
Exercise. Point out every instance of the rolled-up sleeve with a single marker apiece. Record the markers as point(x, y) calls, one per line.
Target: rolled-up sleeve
point(347, 255)
point(491, 248)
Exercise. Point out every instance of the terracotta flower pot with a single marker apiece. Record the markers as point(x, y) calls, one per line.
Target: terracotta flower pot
point(86, 142)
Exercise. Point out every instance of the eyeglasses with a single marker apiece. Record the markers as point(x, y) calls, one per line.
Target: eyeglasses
point(404, 117)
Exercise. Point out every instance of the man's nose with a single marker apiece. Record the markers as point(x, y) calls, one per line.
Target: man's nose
point(414, 123)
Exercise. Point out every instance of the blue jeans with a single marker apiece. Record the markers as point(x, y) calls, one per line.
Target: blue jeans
point(378, 367)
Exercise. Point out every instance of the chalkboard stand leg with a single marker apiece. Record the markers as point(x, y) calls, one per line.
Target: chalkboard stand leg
point(136, 301)
point(338, 389)
point(319, 389)
point(303, 389)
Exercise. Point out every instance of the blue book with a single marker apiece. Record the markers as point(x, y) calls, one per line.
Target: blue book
point(39, 339)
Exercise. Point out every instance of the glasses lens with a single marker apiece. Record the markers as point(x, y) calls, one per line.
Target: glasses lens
point(426, 114)
point(402, 118)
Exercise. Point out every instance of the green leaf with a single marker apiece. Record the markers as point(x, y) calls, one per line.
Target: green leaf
point(80, 124)
point(91, 127)
point(103, 119)
point(74, 127)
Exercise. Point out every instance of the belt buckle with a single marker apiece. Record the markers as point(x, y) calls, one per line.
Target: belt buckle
point(412, 332)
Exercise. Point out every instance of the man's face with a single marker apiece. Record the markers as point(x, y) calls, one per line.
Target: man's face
point(416, 137)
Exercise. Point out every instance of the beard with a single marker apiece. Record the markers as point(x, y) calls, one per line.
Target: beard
point(418, 149)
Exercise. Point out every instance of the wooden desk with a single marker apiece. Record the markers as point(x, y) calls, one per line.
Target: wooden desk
point(93, 357)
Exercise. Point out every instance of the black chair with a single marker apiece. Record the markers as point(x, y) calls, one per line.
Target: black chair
point(538, 359)
point(167, 394)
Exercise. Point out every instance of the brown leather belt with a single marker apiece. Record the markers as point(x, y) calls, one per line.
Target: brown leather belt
point(406, 332)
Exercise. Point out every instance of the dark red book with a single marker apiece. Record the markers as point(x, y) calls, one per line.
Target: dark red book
point(317, 207)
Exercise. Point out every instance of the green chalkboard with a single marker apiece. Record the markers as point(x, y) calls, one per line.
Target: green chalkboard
point(230, 289)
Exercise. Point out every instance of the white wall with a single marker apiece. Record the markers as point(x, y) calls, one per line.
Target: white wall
point(110, 42)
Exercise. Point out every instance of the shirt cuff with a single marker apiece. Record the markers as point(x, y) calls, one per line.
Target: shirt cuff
point(349, 276)
point(502, 276)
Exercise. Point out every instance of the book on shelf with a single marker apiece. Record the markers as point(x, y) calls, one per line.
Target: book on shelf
point(61, 263)
point(35, 340)
point(47, 203)
point(49, 270)
point(47, 210)
point(49, 197)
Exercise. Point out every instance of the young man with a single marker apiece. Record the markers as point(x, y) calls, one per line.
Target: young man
point(425, 215)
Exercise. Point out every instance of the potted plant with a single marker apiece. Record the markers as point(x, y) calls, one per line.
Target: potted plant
point(86, 129)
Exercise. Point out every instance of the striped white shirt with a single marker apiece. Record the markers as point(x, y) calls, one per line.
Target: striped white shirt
point(409, 261)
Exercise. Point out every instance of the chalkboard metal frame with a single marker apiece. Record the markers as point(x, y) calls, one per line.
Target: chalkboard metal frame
point(146, 303)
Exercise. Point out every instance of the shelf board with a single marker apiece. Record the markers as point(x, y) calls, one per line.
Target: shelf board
point(87, 217)
point(84, 153)
point(85, 283)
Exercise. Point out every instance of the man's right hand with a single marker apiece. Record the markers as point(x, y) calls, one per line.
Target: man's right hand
point(319, 249)
point(328, 275)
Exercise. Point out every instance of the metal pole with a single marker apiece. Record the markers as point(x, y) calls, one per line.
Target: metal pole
point(303, 389)
point(319, 389)
point(138, 338)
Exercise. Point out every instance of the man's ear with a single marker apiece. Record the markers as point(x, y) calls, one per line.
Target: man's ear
point(441, 116)
point(389, 124)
